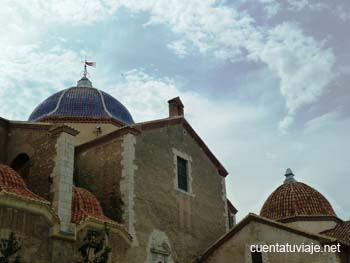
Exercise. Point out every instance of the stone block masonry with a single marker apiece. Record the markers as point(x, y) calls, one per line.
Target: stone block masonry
point(62, 178)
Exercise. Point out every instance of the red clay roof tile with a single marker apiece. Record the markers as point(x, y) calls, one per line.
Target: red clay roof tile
point(11, 182)
point(85, 204)
point(296, 199)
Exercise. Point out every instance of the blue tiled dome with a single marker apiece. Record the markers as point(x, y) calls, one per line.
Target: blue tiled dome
point(82, 101)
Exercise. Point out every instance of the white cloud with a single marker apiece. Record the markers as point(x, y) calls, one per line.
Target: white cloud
point(342, 13)
point(147, 97)
point(28, 75)
point(179, 48)
point(299, 5)
point(64, 11)
point(302, 64)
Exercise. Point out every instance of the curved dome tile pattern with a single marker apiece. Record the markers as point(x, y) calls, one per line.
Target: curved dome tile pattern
point(85, 204)
point(11, 182)
point(296, 199)
point(82, 102)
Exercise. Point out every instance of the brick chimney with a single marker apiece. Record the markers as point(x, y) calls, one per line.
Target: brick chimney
point(176, 108)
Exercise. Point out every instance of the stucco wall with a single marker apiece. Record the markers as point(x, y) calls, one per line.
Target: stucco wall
point(40, 146)
point(98, 169)
point(88, 131)
point(313, 226)
point(237, 249)
point(190, 223)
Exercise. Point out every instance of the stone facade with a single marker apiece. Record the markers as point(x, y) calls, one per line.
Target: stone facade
point(40, 146)
point(98, 169)
point(158, 206)
point(155, 185)
point(134, 176)
point(32, 231)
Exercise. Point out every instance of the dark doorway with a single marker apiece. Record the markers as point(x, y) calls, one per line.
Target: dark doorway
point(21, 164)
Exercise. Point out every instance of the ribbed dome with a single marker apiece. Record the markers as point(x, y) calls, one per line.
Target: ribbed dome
point(11, 182)
point(82, 101)
point(85, 204)
point(293, 199)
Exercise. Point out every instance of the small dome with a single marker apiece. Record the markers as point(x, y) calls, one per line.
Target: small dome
point(85, 204)
point(82, 101)
point(293, 199)
point(11, 182)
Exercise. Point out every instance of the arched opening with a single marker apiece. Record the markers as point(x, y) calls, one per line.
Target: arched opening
point(21, 164)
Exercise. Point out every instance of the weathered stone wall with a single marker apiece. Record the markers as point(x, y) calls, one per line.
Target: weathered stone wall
point(40, 146)
point(186, 223)
point(31, 230)
point(117, 244)
point(98, 170)
point(237, 249)
point(3, 140)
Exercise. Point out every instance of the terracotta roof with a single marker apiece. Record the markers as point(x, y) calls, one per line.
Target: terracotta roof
point(11, 182)
point(295, 199)
point(84, 205)
point(341, 232)
point(323, 239)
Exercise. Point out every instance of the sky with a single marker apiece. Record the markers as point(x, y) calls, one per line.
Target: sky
point(265, 83)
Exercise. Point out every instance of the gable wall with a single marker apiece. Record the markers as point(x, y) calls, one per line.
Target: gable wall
point(189, 223)
point(237, 248)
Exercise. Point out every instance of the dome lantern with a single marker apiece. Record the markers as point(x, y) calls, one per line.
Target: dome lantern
point(289, 176)
point(84, 82)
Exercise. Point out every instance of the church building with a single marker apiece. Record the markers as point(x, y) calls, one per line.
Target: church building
point(81, 162)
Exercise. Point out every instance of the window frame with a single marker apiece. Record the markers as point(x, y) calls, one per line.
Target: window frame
point(188, 159)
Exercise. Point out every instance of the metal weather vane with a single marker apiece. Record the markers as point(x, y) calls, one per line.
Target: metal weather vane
point(88, 63)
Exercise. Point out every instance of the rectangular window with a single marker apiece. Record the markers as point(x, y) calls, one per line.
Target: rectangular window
point(257, 257)
point(182, 174)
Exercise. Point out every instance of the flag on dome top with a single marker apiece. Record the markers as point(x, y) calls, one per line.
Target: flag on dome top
point(91, 64)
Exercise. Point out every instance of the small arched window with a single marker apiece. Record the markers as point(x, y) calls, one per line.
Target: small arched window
point(21, 164)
